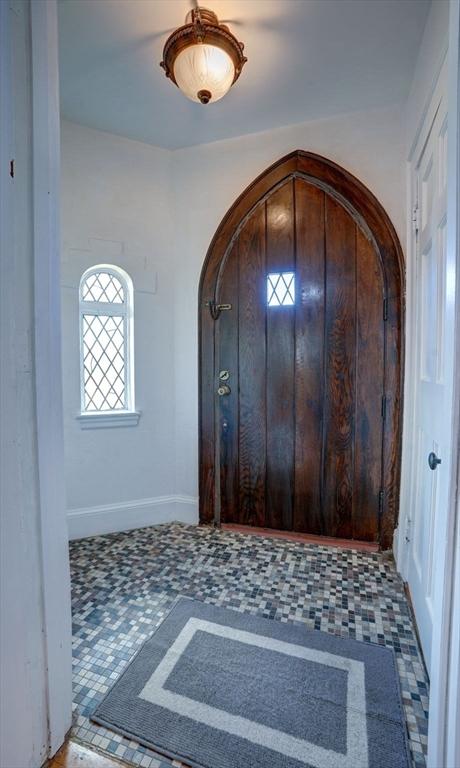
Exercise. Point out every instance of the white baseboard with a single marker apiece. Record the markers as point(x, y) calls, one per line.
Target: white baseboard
point(111, 518)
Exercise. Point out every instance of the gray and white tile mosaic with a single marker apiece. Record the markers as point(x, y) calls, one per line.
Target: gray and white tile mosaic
point(124, 583)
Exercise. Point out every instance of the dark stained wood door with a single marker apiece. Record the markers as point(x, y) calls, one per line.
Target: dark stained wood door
point(299, 358)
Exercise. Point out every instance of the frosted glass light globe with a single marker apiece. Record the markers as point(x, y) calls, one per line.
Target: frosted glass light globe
point(203, 67)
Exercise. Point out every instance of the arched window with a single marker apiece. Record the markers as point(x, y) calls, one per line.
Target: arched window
point(106, 342)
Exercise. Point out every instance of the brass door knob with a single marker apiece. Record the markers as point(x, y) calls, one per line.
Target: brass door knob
point(224, 389)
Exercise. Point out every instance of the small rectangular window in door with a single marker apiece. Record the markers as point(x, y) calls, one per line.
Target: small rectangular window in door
point(280, 289)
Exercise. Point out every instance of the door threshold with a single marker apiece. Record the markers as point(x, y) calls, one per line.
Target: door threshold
point(303, 538)
point(73, 754)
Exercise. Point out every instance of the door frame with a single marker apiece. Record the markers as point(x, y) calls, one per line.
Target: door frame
point(443, 731)
point(48, 368)
point(366, 208)
point(42, 81)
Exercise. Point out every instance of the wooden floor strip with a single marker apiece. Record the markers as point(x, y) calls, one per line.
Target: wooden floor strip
point(305, 538)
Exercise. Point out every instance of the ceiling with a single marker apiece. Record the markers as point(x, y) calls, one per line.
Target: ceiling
point(307, 59)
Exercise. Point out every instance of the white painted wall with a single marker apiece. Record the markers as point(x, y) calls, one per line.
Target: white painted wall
point(208, 179)
point(429, 60)
point(116, 208)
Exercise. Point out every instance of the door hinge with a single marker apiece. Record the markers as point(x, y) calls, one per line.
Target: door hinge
point(416, 218)
point(381, 498)
point(384, 407)
point(408, 529)
point(385, 308)
point(12, 169)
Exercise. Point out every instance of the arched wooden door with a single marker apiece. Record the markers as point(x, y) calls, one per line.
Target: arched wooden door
point(300, 357)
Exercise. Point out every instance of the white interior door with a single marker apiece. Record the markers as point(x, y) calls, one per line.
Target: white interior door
point(432, 388)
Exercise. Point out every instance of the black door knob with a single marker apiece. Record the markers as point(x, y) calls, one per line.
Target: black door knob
point(433, 460)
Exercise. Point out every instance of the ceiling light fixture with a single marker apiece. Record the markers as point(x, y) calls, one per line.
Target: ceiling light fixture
point(202, 57)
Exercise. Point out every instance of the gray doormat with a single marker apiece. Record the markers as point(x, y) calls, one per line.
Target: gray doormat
point(220, 689)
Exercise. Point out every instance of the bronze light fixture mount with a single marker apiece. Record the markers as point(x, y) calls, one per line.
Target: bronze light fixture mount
point(202, 28)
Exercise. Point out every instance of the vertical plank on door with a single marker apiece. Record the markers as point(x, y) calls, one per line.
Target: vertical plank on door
point(227, 359)
point(252, 400)
point(309, 336)
point(339, 395)
point(280, 364)
point(369, 390)
point(207, 426)
point(391, 426)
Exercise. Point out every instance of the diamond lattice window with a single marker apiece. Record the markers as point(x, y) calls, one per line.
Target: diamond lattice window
point(103, 286)
point(105, 316)
point(281, 289)
point(104, 362)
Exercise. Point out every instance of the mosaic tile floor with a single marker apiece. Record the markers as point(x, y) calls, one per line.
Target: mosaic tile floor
point(124, 583)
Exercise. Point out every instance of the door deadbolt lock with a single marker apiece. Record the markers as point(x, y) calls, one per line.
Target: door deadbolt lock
point(224, 389)
point(224, 375)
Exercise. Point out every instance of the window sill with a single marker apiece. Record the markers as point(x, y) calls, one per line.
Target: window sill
point(109, 419)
